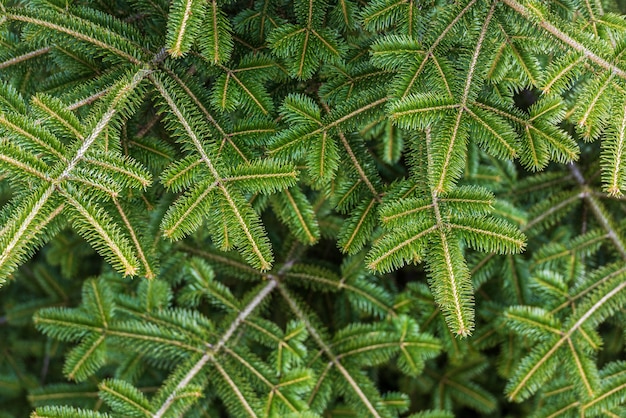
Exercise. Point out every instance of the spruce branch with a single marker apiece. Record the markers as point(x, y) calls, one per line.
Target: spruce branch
point(381, 164)
point(534, 14)
point(259, 253)
point(430, 52)
point(439, 184)
point(214, 349)
point(72, 28)
point(17, 233)
point(599, 212)
point(25, 57)
point(183, 25)
point(329, 353)
point(525, 380)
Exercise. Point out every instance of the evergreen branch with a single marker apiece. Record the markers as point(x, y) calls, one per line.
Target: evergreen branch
point(397, 127)
point(88, 100)
point(151, 148)
point(347, 146)
point(571, 299)
point(580, 368)
point(435, 44)
point(88, 178)
point(41, 138)
point(41, 398)
point(187, 213)
point(76, 371)
point(579, 246)
point(235, 388)
point(593, 103)
point(453, 284)
point(14, 238)
point(605, 395)
point(72, 125)
point(120, 96)
point(519, 57)
point(148, 126)
point(381, 263)
point(329, 353)
point(208, 356)
point(395, 214)
point(537, 17)
point(351, 243)
point(122, 167)
point(25, 57)
point(533, 321)
point(12, 100)
point(324, 128)
point(380, 346)
point(260, 246)
point(553, 209)
point(592, 16)
point(444, 169)
point(66, 412)
point(358, 167)
point(429, 109)
point(163, 321)
point(561, 74)
point(340, 285)
point(77, 58)
point(600, 213)
point(513, 391)
point(100, 302)
point(504, 243)
point(180, 174)
point(381, 11)
point(133, 337)
point(614, 161)
point(263, 255)
point(468, 390)
point(551, 108)
point(72, 29)
point(323, 375)
point(183, 24)
point(115, 391)
point(503, 142)
point(303, 222)
point(149, 274)
point(25, 232)
point(569, 151)
point(218, 43)
point(248, 92)
point(538, 135)
point(224, 260)
point(290, 175)
point(22, 163)
point(355, 113)
point(276, 338)
point(274, 389)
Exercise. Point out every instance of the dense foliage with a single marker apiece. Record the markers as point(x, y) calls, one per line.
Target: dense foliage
point(312, 208)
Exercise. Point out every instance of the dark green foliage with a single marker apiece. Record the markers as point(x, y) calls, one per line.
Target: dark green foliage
point(312, 208)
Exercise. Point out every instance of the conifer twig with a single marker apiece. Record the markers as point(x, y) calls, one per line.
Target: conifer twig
point(24, 57)
point(599, 213)
point(333, 358)
point(213, 350)
point(565, 38)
